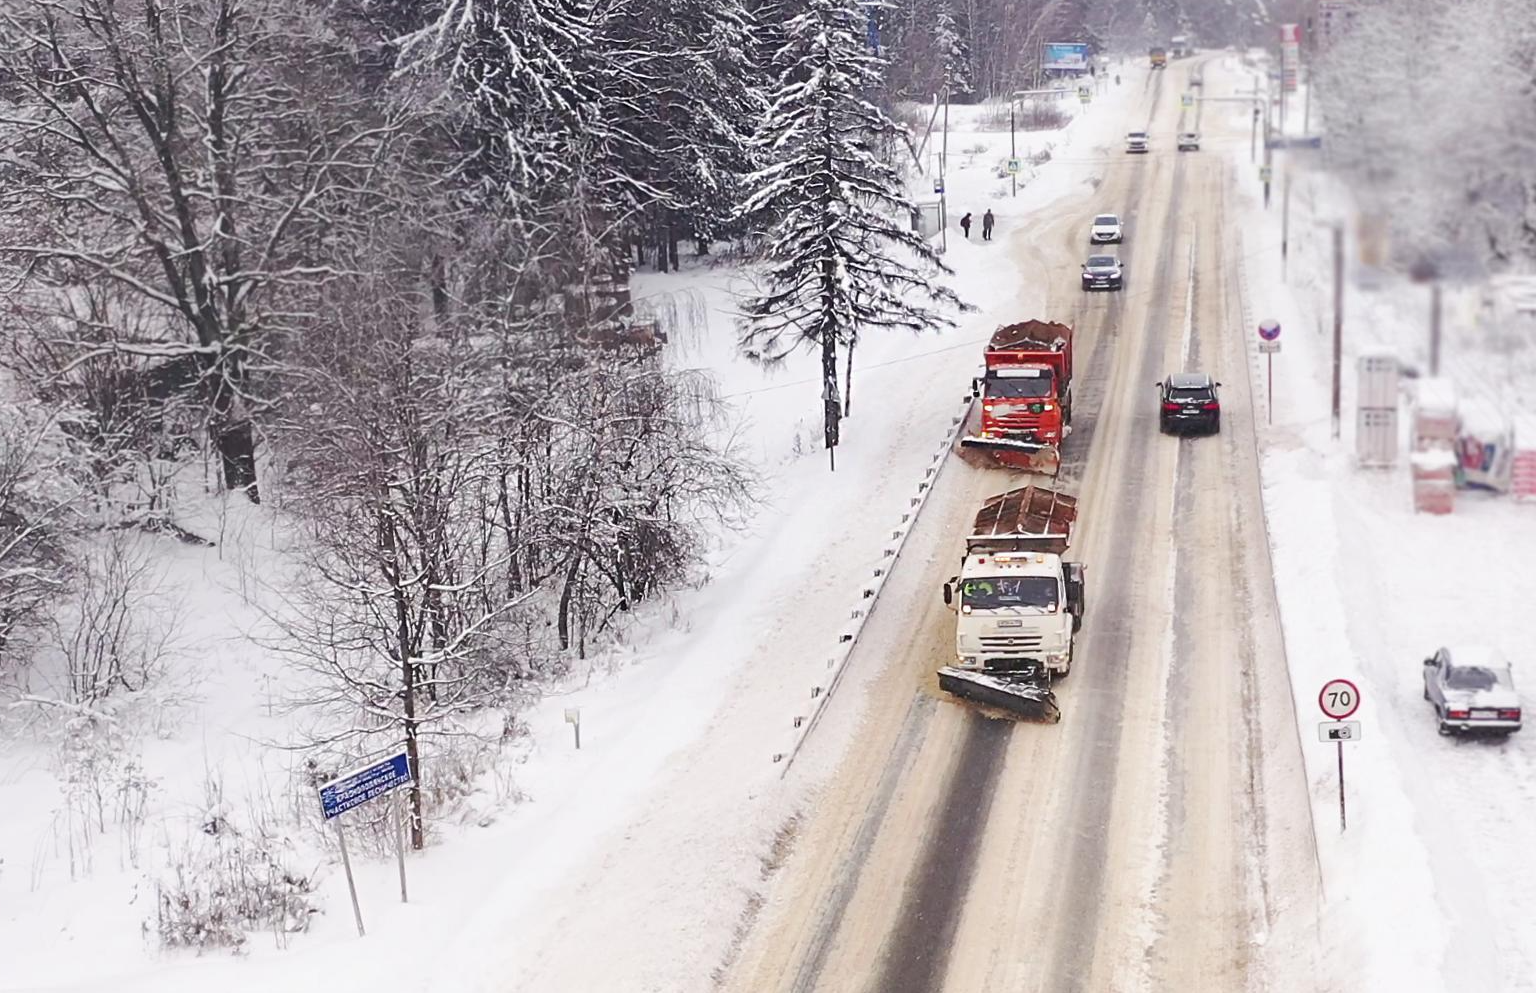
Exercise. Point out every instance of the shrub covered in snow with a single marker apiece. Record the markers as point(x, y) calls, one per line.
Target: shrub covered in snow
point(225, 881)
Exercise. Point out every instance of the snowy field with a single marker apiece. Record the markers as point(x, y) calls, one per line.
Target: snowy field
point(656, 834)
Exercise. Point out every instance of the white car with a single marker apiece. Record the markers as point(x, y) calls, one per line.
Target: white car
point(1136, 141)
point(1189, 141)
point(1106, 228)
point(1472, 690)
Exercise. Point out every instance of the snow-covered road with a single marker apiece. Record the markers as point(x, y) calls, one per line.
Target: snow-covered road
point(1158, 837)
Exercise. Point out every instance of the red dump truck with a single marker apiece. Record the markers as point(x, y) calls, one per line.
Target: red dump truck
point(1026, 395)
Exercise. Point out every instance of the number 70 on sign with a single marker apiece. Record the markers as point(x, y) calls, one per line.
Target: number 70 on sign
point(1339, 699)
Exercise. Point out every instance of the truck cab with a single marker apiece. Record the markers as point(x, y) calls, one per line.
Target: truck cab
point(1018, 603)
point(1026, 395)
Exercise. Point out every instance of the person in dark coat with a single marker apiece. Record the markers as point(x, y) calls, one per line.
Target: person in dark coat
point(986, 226)
point(965, 224)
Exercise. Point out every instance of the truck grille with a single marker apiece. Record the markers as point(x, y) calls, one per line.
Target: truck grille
point(1021, 422)
point(1024, 641)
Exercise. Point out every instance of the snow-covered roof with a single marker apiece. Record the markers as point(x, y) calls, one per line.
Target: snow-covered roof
point(1478, 655)
point(1438, 395)
point(1433, 459)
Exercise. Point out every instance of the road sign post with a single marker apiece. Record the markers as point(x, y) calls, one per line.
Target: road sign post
point(360, 785)
point(1269, 344)
point(1338, 700)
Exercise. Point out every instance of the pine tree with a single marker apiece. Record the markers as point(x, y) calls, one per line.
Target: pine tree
point(528, 71)
point(699, 92)
point(841, 259)
point(954, 60)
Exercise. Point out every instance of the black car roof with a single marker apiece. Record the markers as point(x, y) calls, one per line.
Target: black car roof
point(1189, 380)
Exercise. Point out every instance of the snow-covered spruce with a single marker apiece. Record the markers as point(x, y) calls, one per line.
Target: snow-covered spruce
point(841, 257)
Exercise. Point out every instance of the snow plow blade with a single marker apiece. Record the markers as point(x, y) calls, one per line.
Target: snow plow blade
point(1027, 697)
point(1042, 458)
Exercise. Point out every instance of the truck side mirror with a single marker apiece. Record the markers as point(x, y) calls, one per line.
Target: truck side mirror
point(1429, 662)
point(949, 592)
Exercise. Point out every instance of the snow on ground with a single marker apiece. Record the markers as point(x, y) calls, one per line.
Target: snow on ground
point(652, 837)
point(1431, 885)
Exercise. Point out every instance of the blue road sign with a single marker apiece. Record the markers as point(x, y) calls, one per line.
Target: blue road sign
point(1269, 331)
point(362, 784)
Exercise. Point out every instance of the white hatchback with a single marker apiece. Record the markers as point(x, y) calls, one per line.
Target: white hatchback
point(1106, 228)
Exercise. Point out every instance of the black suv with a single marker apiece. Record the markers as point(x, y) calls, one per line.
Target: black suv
point(1189, 401)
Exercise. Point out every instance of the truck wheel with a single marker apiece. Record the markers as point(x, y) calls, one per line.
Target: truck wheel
point(1445, 731)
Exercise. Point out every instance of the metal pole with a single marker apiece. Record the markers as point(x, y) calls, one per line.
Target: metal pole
point(1285, 221)
point(944, 187)
point(1270, 380)
point(1338, 321)
point(1343, 823)
point(1434, 329)
point(1253, 136)
point(1306, 105)
point(400, 843)
point(1013, 149)
point(346, 862)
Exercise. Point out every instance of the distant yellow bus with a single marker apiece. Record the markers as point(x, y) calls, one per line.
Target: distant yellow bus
point(1159, 58)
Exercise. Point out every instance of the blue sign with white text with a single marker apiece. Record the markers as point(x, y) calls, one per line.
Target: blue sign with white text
point(366, 783)
point(1065, 56)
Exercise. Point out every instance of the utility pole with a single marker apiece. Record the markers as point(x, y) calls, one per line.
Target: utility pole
point(1269, 152)
point(1338, 321)
point(943, 186)
point(1306, 104)
point(1285, 220)
point(1013, 148)
point(1434, 328)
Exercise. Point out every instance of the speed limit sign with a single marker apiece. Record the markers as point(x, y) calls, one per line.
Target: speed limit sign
point(1339, 699)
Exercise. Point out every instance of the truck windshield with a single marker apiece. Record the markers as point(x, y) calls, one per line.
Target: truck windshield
point(1019, 387)
point(1010, 593)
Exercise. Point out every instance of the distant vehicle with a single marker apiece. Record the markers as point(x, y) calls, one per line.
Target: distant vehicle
point(1159, 57)
point(1181, 46)
point(1472, 691)
point(1189, 401)
point(1189, 141)
point(1106, 228)
point(1103, 272)
point(1136, 141)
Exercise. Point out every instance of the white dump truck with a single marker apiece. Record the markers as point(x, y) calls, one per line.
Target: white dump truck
point(1018, 604)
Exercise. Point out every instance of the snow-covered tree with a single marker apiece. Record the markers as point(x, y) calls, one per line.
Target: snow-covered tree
point(950, 45)
point(1449, 171)
point(693, 94)
point(203, 158)
point(841, 260)
point(531, 74)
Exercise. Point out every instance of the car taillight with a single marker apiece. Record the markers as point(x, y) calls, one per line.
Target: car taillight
point(1170, 406)
point(1211, 406)
point(1458, 714)
point(1509, 714)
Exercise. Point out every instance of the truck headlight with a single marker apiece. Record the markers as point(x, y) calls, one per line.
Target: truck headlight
point(968, 662)
point(1055, 658)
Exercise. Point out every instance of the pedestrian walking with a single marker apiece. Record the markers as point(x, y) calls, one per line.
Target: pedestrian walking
point(986, 226)
point(965, 224)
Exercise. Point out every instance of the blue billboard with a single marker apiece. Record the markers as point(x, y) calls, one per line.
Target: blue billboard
point(1071, 57)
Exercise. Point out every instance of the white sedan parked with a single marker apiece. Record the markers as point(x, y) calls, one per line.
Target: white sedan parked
point(1472, 691)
